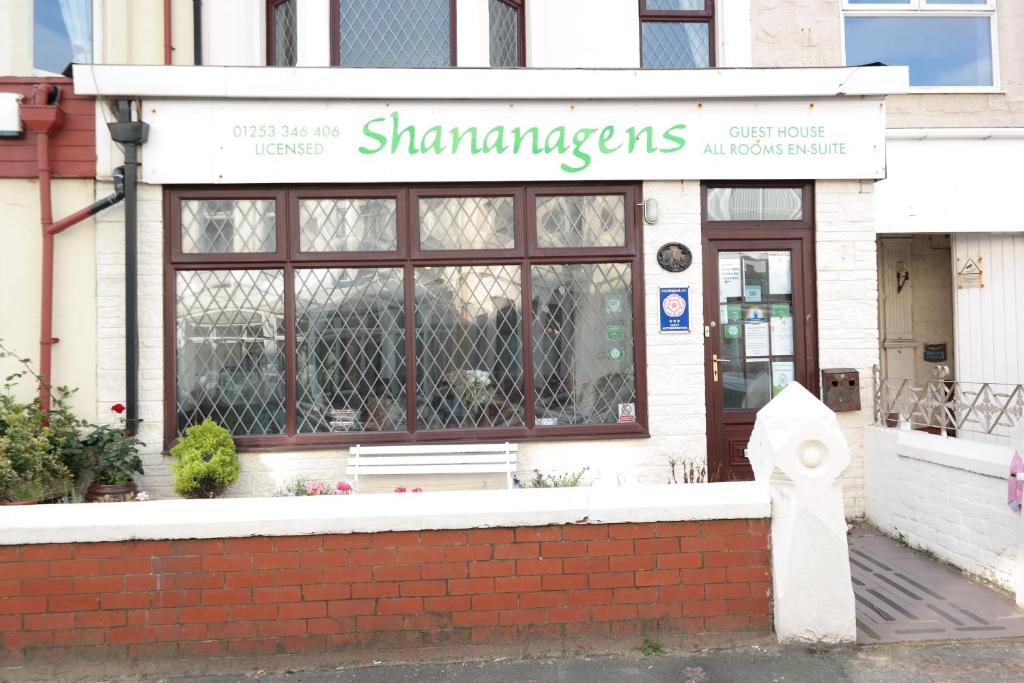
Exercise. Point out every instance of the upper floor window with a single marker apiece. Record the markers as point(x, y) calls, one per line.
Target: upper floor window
point(946, 43)
point(677, 34)
point(393, 33)
point(62, 34)
point(282, 42)
point(507, 32)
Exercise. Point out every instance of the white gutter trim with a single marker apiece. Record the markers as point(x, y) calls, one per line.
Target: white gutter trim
point(325, 83)
point(954, 133)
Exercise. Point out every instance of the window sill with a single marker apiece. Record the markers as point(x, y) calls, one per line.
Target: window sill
point(310, 442)
point(960, 90)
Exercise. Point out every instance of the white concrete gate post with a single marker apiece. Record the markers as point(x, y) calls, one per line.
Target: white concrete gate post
point(1017, 444)
point(797, 449)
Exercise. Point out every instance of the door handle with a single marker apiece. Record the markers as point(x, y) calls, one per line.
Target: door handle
point(715, 360)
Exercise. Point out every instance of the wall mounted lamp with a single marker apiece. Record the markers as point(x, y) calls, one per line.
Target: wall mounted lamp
point(902, 275)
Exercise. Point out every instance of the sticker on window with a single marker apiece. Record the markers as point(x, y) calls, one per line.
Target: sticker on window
point(627, 413)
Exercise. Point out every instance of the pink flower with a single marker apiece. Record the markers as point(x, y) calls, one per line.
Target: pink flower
point(344, 487)
point(417, 490)
point(315, 488)
point(400, 489)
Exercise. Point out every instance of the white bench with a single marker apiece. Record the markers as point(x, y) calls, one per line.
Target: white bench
point(487, 458)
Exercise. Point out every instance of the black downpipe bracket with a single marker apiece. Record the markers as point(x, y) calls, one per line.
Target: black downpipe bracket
point(130, 134)
point(197, 32)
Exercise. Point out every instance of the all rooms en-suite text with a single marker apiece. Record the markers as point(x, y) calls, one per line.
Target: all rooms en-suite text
point(776, 141)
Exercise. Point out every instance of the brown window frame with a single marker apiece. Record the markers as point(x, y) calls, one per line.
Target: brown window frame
point(520, 7)
point(287, 258)
point(272, 34)
point(335, 30)
point(705, 16)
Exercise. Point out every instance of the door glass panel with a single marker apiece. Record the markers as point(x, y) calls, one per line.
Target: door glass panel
point(755, 294)
point(755, 204)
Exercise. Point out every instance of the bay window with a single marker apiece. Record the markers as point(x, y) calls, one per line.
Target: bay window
point(677, 34)
point(948, 44)
point(393, 33)
point(282, 32)
point(308, 316)
point(507, 19)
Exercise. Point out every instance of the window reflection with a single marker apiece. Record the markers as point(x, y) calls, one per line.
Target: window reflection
point(940, 51)
point(62, 34)
point(230, 343)
point(350, 350)
point(468, 332)
point(582, 343)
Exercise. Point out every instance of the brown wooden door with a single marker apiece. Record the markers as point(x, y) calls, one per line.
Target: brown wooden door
point(759, 336)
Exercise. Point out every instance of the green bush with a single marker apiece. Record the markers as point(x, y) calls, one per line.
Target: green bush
point(205, 461)
point(30, 465)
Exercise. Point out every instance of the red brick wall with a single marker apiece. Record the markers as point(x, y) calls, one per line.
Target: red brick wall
point(72, 147)
point(401, 589)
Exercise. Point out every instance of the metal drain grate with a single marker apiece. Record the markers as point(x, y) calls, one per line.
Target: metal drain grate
point(902, 595)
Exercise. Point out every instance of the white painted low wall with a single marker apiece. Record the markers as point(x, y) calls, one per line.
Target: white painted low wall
point(241, 517)
point(946, 496)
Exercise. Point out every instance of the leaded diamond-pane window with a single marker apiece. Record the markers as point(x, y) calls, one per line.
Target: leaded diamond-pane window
point(394, 33)
point(505, 30)
point(448, 223)
point(350, 350)
point(469, 359)
point(676, 34)
point(348, 225)
point(581, 221)
point(675, 5)
point(285, 40)
point(228, 226)
point(230, 350)
point(405, 314)
point(676, 45)
point(583, 358)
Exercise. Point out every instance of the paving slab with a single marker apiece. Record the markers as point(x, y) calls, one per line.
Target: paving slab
point(903, 595)
point(948, 662)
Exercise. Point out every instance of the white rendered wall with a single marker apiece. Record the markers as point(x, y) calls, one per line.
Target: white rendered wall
point(74, 291)
point(583, 34)
point(989, 321)
point(675, 362)
point(926, 189)
point(848, 307)
point(234, 33)
point(944, 496)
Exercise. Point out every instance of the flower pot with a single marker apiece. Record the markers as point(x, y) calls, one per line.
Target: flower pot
point(30, 501)
point(98, 491)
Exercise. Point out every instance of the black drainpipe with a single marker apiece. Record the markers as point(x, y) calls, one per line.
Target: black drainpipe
point(130, 134)
point(197, 32)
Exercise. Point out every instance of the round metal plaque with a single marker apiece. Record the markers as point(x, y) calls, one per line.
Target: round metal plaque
point(674, 257)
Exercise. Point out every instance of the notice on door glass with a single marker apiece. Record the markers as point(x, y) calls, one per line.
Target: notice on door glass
point(782, 336)
point(730, 279)
point(757, 339)
point(780, 280)
point(782, 375)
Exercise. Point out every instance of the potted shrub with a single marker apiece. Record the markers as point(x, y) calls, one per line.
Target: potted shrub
point(31, 469)
point(205, 461)
point(111, 457)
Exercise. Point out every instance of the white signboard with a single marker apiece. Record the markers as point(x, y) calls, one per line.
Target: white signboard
point(371, 142)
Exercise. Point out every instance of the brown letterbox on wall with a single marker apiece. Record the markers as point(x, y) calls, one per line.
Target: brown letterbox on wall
point(840, 389)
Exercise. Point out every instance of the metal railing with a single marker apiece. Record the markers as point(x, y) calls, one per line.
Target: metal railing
point(949, 407)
